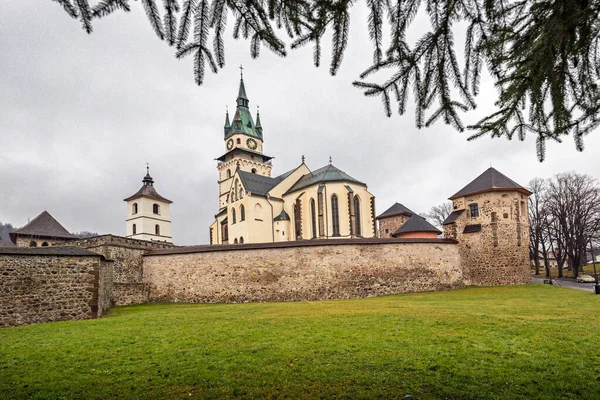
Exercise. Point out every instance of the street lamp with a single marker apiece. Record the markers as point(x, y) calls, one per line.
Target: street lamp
point(596, 286)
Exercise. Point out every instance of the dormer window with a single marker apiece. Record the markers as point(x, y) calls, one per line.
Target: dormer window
point(474, 210)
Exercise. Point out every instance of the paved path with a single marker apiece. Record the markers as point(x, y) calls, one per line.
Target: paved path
point(568, 283)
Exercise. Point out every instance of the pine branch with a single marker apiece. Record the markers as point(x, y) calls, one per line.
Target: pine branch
point(154, 17)
point(170, 20)
point(85, 14)
point(185, 21)
point(68, 7)
point(107, 7)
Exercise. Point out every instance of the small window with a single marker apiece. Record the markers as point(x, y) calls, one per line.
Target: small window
point(253, 170)
point(135, 208)
point(134, 229)
point(33, 243)
point(241, 240)
point(155, 208)
point(235, 241)
point(474, 210)
point(228, 173)
point(387, 231)
point(242, 213)
point(505, 215)
point(233, 216)
point(238, 141)
point(45, 244)
point(157, 229)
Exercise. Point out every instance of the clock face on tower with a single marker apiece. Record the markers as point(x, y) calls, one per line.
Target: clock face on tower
point(230, 144)
point(251, 143)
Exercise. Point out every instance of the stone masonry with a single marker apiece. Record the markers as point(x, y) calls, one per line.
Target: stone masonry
point(52, 284)
point(126, 254)
point(309, 270)
point(389, 225)
point(494, 245)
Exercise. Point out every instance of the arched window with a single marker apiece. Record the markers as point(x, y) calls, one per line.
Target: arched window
point(134, 208)
point(235, 241)
point(45, 244)
point(241, 192)
point(134, 229)
point(155, 208)
point(234, 194)
point(157, 229)
point(242, 213)
point(357, 215)
point(313, 216)
point(239, 141)
point(225, 233)
point(232, 215)
point(228, 173)
point(258, 212)
point(253, 170)
point(335, 215)
point(241, 240)
point(33, 243)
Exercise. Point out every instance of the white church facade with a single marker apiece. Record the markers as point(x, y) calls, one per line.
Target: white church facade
point(301, 204)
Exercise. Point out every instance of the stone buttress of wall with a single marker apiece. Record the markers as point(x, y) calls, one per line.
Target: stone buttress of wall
point(126, 254)
point(310, 270)
point(43, 285)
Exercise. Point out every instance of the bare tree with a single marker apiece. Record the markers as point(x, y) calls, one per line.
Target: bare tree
point(537, 222)
point(574, 205)
point(438, 214)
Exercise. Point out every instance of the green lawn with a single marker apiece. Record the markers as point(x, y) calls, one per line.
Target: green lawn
point(587, 269)
point(534, 341)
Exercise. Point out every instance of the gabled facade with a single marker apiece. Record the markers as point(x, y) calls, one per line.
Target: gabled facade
point(297, 205)
point(392, 219)
point(148, 214)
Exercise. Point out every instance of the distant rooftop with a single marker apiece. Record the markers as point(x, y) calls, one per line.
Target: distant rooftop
point(491, 179)
point(328, 173)
point(416, 223)
point(44, 225)
point(396, 209)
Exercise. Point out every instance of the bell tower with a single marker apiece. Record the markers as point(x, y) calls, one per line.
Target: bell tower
point(243, 140)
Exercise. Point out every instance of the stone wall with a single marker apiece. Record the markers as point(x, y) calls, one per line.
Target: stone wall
point(497, 253)
point(126, 255)
point(25, 241)
point(307, 270)
point(52, 284)
point(389, 225)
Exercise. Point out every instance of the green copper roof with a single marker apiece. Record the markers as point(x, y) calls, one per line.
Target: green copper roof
point(242, 120)
point(328, 173)
point(283, 216)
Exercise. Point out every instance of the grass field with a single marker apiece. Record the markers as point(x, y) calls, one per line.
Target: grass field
point(534, 341)
point(587, 269)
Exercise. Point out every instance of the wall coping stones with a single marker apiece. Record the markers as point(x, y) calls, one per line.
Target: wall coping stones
point(68, 251)
point(297, 243)
point(120, 241)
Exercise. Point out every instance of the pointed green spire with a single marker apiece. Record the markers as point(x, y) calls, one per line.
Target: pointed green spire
point(242, 100)
point(258, 124)
point(227, 123)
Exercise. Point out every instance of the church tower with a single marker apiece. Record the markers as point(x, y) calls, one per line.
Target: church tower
point(243, 140)
point(148, 214)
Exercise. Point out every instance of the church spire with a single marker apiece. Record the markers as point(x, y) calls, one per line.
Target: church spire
point(227, 123)
point(258, 124)
point(148, 179)
point(242, 99)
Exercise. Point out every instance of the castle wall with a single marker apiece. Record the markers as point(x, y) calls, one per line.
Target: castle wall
point(25, 241)
point(126, 255)
point(497, 253)
point(308, 270)
point(389, 225)
point(44, 286)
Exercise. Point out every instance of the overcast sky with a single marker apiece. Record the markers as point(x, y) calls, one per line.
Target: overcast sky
point(80, 115)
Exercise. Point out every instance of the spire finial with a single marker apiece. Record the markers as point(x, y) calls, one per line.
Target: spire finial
point(302, 158)
point(148, 179)
point(148, 168)
point(226, 109)
point(330, 160)
point(241, 72)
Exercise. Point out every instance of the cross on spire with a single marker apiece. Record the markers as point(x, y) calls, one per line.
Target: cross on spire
point(330, 160)
point(241, 71)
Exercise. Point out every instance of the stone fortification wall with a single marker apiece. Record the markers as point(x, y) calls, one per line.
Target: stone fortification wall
point(307, 270)
point(494, 245)
point(52, 284)
point(25, 241)
point(389, 225)
point(126, 255)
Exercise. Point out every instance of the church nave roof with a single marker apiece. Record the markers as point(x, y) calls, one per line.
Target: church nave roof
point(328, 173)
